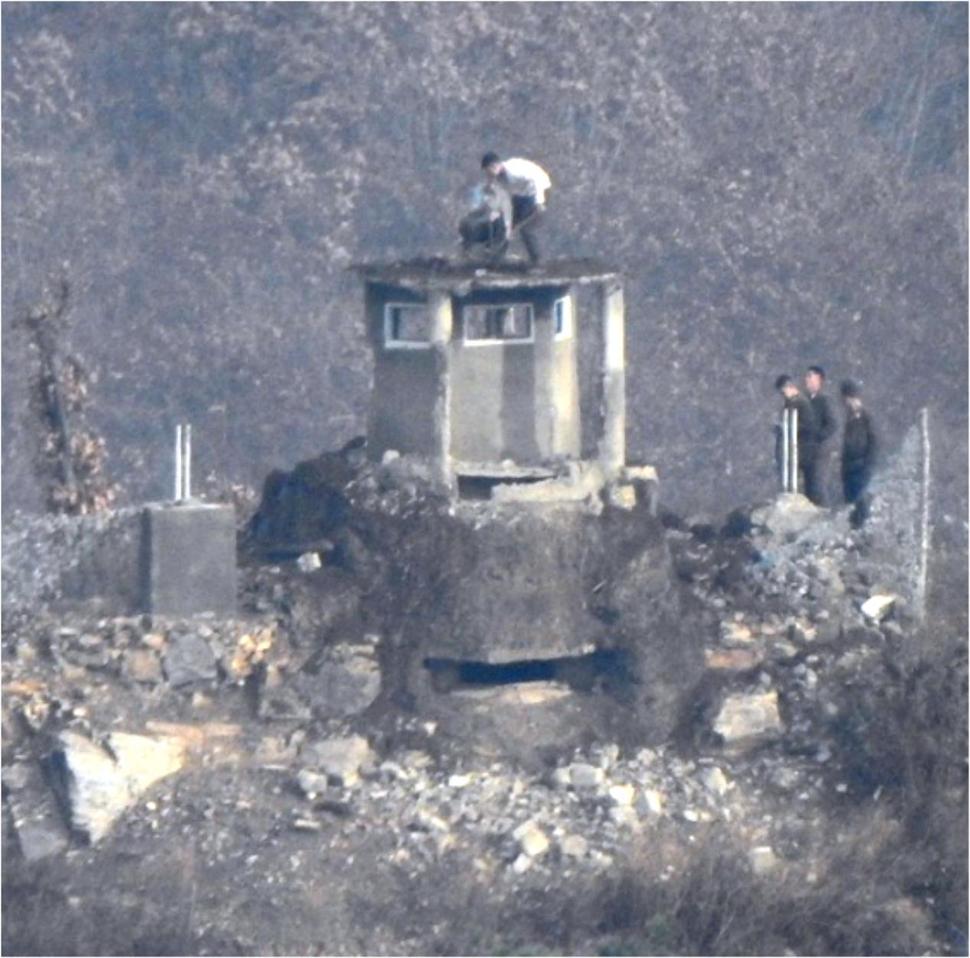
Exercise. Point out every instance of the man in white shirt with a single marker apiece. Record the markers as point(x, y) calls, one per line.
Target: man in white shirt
point(528, 186)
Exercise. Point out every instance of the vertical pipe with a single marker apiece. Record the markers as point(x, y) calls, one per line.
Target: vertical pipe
point(925, 532)
point(784, 449)
point(178, 463)
point(794, 449)
point(187, 485)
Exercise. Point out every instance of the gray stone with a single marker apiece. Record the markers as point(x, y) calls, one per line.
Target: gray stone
point(36, 821)
point(714, 780)
point(574, 846)
point(345, 682)
point(582, 775)
point(789, 513)
point(142, 665)
point(188, 659)
point(625, 816)
point(650, 801)
point(311, 783)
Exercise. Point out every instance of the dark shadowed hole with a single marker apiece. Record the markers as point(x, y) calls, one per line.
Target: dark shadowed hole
point(579, 672)
point(480, 487)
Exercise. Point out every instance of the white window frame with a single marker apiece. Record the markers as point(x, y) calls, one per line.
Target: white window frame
point(566, 304)
point(498, 341)
point(390, 342)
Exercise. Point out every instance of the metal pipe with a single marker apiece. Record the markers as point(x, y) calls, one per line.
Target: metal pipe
point(178, 463)
point(187, 486)
point(784, 450)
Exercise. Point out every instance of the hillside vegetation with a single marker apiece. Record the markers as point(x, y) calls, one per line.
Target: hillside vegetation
point(781, 184)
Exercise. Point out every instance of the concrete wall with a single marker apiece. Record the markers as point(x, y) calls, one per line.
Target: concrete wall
point(509, 400)
point(403, 394)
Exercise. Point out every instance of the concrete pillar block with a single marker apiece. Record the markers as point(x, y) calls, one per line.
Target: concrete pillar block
point(613, 442)
point(189, 559)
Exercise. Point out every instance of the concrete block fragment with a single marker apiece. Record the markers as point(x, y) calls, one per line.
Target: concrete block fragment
point(745, 719)
point(341, 758)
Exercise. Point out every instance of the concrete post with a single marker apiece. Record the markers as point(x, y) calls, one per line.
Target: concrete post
point(612, 451)
point(545, 399)
point(440, 312)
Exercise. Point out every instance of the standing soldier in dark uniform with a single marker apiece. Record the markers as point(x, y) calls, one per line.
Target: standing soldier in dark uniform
point(818, 479)
point(807, 427)
point(858, 454)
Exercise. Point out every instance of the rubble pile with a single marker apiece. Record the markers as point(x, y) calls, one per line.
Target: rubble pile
point(279, 748)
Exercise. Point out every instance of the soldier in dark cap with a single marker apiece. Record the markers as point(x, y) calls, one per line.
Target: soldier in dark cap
point(858, 453)
point(818, 480)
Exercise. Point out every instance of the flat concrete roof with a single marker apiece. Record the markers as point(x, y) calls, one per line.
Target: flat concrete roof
point(459, 275)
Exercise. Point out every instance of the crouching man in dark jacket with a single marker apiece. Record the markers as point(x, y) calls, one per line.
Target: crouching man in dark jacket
point(858, 454)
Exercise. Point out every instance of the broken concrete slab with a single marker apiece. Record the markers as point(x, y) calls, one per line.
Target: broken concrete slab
point(99, 784)
point(747, 718)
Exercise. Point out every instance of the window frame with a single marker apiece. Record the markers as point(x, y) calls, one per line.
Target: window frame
point(498, 340)
point(392, 343)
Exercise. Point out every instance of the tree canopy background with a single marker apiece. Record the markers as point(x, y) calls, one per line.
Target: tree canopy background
point(782, 184)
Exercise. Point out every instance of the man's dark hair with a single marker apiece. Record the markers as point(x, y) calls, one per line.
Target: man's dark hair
point(849, 389)
point(783, 381)
point(489, 158)
point(817, 370)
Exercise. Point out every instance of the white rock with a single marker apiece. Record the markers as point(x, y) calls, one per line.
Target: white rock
point(522, 864)
point(714, 780)
point(762, 859)
point(622, 794)
point(532, 839)
point(878, 606)
point(309, 562)
point(459, 781)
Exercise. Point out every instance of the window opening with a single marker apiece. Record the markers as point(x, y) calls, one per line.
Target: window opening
point(406, 326)
point(485, 324)
point(562, 314)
